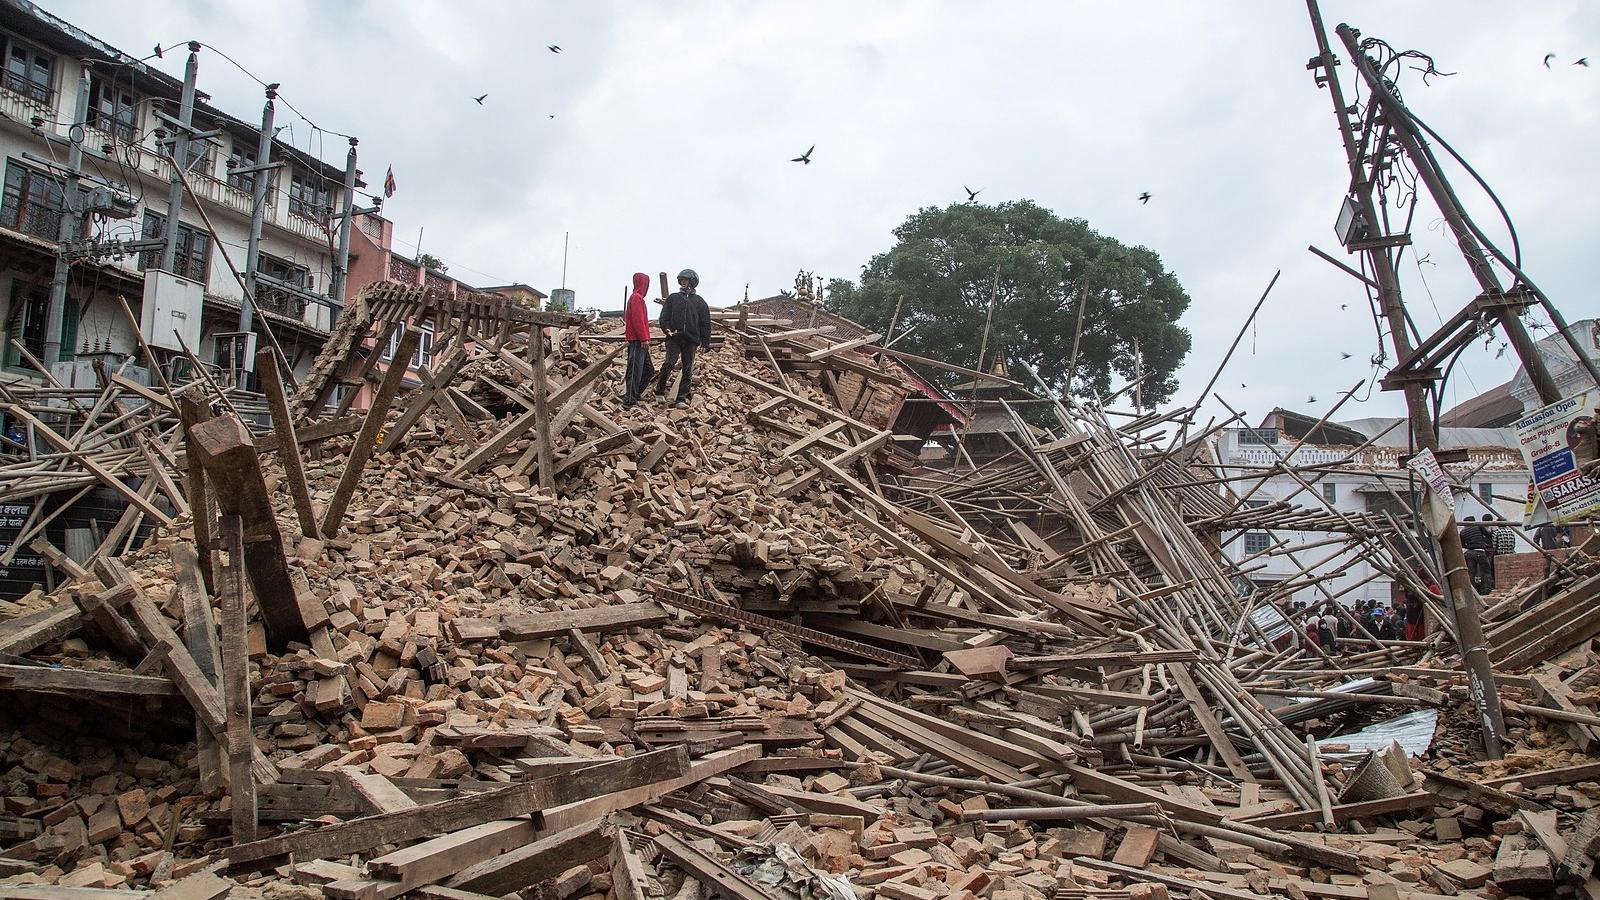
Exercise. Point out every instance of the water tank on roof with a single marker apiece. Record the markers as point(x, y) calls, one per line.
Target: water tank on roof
point(563, 299)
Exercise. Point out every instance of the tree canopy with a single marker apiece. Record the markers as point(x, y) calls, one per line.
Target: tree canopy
point(942, 271)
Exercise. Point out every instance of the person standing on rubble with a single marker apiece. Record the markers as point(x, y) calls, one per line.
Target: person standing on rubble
point(686, 320)
point(636, 330)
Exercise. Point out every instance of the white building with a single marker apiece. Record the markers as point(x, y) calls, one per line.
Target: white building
point(1373, 481)
point(44, 60)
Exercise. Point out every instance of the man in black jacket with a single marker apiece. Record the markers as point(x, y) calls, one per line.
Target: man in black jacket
point(686, 321)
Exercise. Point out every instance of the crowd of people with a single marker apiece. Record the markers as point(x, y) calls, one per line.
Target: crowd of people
point(1325, 626)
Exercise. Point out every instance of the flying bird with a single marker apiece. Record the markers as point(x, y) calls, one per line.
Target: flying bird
point(1344, 306)
point(552, 115)
point(1144, 197)
point(1547, 58)
point(1312, 399)
point(1344, 356)
point(555, 48)
point(804, 158)
point(1583, 62)
point(972, 195)
point(479, 98)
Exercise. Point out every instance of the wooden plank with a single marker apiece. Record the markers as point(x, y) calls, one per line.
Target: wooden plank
point(541, 410)
point(24, 634)
point(712, 872)
point(360, 835)
point(236, 683)
point(830, 350)
point(531, 626)
point(200, 636)
point(73, 681)
point(233, 466)
point(570, 814)
point(366, 441)
point(1346, 812)
point(544, 858)
point(432, 860)
point(283, 427)
point(316, 431)
point(1201, 708)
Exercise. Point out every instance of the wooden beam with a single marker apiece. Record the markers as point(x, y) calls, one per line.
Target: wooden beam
point(200, 636)
point(232, 464)
point(366, 441)
point(283, 427)
point(82, 681)
point(236, 683)
point(360, 835)
point(29, 632)
point(541, 859)
point(531, 626)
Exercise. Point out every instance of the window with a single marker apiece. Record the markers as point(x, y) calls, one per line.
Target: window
point(1486, 494)
point(112, 109)
point(1330, 491)
point(193, 259)
point(1263, 436)
point(29, 72)
point(308, 196)
point(26, 325)
point(199, 157)
point(33, 201)
point(284, 271)
point(424, 352)
point(242, 157)
point(1256, 542)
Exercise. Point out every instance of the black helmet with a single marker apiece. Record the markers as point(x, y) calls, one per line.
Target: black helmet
point(694, 279)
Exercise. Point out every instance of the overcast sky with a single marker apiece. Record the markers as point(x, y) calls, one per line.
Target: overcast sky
point(674, 123)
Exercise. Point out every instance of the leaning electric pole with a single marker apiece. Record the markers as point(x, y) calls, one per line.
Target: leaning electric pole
point(1375, 138)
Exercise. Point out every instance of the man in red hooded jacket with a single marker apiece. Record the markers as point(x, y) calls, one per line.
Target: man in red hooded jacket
point(636, 328)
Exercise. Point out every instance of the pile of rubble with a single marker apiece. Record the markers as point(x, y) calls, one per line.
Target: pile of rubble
point(499, 636)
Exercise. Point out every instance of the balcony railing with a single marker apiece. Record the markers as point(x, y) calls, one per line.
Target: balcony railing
point(20, 107)
point(281, 302)
point(402, 271)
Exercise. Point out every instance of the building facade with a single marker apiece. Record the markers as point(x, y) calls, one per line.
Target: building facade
point(50, 66)
point(1366, 480)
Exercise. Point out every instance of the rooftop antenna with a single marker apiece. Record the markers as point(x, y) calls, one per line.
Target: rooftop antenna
point(565, 237)
point(419, 245)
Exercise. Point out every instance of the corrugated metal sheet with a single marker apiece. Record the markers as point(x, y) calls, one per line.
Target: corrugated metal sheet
point(1414, 731)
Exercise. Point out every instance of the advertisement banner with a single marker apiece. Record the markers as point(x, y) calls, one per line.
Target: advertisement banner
point(1561, 446)
point(1440, 506)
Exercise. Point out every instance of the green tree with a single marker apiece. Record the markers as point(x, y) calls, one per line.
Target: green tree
point(942, 271)
point(429, 261)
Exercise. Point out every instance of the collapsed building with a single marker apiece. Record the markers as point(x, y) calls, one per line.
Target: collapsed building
point(499, 636)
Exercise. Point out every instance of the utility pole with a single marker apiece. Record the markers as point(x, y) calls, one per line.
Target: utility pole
point(341, 266)
point(261, 172)
point(1494, 300)
point(1458, 585)
point(180, 153)
point(71, 224)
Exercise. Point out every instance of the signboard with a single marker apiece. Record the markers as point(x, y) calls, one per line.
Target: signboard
point(27, 567)
point(1561, 447)
point(1440, 507)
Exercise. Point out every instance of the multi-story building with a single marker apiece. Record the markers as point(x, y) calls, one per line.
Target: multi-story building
point(1365, 474)
point(49, 64)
